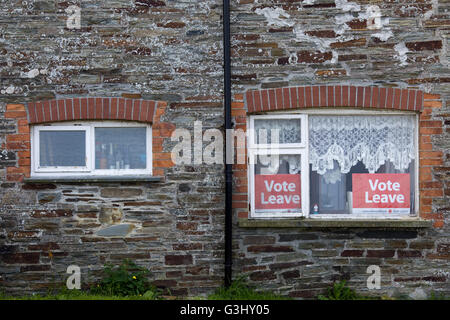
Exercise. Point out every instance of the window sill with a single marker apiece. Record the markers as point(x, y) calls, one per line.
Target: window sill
point(129, 178)
point(334, 223)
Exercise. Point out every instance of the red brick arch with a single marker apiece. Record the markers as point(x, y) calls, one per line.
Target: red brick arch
point(74, 109)
point(431, 156)
point(333, 96)
point(95, 108)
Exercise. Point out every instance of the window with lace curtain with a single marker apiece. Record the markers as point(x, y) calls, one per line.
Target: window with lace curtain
point(333, 165)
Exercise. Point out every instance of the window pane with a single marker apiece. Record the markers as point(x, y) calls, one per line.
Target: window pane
point(361, 164)
point(386, 191)
point(120, 148)
point(62, 148)
point(285, 130)
point(277, 184)
point(373, 140)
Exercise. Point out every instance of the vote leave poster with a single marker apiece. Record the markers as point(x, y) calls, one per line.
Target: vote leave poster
point(381, 193)
point(277, 191)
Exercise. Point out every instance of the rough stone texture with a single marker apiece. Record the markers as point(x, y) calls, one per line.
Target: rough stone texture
point(110, 215)
point(121, 230)
point(326, 43)
point(151, 50)
point(171, 51)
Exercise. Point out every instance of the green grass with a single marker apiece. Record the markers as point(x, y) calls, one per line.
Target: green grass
point(340, 291)
point(240, 290)
point(127, 281)
point(437, 296)
point(78, 295)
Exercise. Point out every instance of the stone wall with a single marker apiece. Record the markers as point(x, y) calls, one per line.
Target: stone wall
point(171, 51)
point(143, 50)
point(301, 260)
point(281, 45)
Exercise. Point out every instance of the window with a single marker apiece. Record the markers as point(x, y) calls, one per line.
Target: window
point(346, 165)
point(277, 152)
point(91, 148)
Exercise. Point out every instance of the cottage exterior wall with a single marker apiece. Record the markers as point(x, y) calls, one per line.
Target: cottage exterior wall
point(170, 53)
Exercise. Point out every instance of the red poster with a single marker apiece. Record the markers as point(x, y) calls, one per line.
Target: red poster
point(381, 193)
point(277, 191)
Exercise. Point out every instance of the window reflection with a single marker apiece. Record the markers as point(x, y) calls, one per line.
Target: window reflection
point(62, 148)
point(120, 148)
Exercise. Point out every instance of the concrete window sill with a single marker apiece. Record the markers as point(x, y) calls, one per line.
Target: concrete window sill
point(130, 178)
point(334, 223)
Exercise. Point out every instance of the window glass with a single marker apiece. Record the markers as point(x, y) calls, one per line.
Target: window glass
point(285, 130)
point(277, 183)
point(62, 148)
point(120, 148)
point(362, 164)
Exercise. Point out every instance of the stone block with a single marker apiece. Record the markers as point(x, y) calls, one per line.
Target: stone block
point(110, 215)
point(260, 240)
point(173, 260)
point(120, 192)
point(48, 197)
point(120, 230)
point(388, 234)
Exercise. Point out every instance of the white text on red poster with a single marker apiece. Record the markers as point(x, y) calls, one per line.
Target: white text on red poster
point(278, 191)
point(381, 193)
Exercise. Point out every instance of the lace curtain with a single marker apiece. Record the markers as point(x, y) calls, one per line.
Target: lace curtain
point(279, 164)
point(370, 139)
point(287, 130)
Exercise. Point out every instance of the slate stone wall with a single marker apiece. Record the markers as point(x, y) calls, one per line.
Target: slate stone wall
point(171, 51)
point(323, 43)
point(167, 51)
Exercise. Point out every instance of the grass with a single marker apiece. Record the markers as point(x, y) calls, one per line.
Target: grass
point(340, 291)
point(240, 290)
point(438, 296)
point(77, 295)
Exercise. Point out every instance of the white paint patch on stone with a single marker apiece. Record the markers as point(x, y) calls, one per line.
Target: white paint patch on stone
point(347, 69)
point(275, 17)
point(334, 58)
point(401, 50)
point(343, 18)
point(341, 23)
point(383, 35)
point(434, 10)
point(372, 14)
point(321, 44)
point(9, 90)
point(373, 17)
point(33, 73)
point(376, 22)
point(346, 6)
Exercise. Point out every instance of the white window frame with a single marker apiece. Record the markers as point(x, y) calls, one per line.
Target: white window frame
point(89, 169)
point(36, 150)
point(286, 148)
point(303, 134)
point(305, 188)
point(304, 181)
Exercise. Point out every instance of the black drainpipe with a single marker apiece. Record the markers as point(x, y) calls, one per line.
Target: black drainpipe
point(228, 126)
